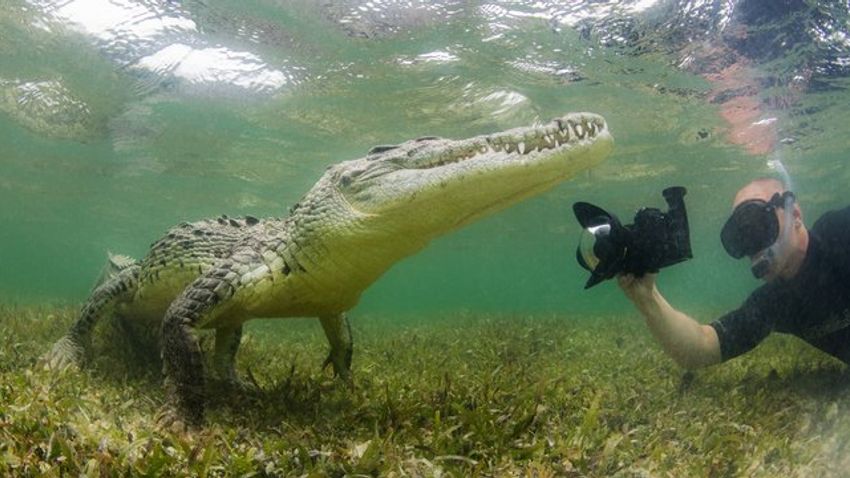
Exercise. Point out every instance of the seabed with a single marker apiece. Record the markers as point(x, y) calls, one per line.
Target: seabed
point(451, 395)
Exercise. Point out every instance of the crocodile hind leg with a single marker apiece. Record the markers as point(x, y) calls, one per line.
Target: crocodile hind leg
point(71, 349)
point(182, 361)
point(338, 331)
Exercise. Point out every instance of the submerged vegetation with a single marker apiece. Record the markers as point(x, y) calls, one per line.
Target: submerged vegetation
point(458, 395)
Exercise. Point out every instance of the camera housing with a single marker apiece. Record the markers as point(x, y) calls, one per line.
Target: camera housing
point(656, 239)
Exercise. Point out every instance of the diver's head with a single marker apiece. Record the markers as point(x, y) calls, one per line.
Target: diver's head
point(767, 226)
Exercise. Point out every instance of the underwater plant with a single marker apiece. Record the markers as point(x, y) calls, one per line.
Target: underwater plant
point(443, 395)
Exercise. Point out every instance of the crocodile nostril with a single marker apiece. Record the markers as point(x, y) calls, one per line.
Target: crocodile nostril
point(383, 148)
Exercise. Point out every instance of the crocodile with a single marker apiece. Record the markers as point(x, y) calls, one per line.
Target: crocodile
point(360, 218)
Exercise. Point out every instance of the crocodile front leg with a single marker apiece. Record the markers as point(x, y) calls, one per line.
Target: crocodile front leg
point(227, 340)
point(338, 331)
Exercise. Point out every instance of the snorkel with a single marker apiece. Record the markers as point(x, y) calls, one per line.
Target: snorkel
point(764, 260)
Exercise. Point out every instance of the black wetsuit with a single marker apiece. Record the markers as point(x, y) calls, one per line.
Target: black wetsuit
point(813, 305)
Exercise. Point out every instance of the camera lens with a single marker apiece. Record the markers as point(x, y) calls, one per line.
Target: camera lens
point(592, 238)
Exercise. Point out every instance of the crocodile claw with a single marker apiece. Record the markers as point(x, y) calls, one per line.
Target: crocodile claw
point(238, 384)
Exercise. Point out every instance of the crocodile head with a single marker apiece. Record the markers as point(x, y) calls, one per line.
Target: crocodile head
point(426, 187)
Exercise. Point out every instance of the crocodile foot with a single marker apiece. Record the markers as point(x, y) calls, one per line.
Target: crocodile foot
point(238, 385)
point(183, 409)
point(343, 373)
point(66, 352)
point(169, 419)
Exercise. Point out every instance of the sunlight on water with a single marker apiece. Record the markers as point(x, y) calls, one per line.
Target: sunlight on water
point(212, 65)
point(162, 39)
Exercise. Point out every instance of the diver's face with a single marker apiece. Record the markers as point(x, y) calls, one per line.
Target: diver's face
point(754, 230)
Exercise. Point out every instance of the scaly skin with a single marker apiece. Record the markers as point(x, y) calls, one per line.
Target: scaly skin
point(360, 218)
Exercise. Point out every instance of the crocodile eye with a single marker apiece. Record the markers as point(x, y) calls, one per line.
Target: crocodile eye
point(345, 180)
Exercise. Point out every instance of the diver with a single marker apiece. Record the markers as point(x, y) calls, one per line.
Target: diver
point(806, 291)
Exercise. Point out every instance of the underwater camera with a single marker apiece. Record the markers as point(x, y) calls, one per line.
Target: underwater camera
point(655, 240)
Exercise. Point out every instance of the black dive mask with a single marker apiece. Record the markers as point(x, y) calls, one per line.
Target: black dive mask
point(753, 225)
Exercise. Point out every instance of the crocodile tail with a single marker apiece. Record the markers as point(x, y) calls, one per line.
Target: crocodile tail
point(102, 301)
point(71, 348)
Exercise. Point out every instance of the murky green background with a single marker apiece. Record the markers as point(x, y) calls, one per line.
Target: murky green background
point(121, 118)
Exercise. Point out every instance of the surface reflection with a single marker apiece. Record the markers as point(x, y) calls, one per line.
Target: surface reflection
point(160, 37)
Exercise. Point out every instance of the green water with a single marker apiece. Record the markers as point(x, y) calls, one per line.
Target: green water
point(121, 118)
point(109, 153)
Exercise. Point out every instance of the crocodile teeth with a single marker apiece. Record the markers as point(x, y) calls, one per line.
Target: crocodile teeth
point(578, 129)
point(521, 147)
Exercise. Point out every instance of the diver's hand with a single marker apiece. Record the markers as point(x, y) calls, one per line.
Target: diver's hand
point(639, 290)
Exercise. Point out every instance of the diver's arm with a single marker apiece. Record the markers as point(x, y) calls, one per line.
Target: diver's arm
point(691, 344)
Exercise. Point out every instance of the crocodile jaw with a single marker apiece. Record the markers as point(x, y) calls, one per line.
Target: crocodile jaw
point(365, 215)
point(451, 183)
